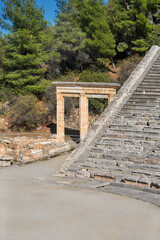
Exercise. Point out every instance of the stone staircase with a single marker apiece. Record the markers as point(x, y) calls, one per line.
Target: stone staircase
point(126, 148)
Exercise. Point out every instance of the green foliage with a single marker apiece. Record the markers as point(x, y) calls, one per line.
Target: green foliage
point(2, 55)
point(122, 46)
point(70, 43)
point(40, 88)
point(88, 76)
point(93, 20)
point(87, 35)
point(101, 41)
point(82, 36)
point(25, 113)
point(51, 102)
point(23, 61)
point(95, 105)
point(155, 39)
point(127, 67)
point(140, 45)
point(26, 50)
point(23, 14)
point(5, 94)
point(131, 22)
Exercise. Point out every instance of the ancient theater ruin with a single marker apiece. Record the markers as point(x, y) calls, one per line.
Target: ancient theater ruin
point(123, 146)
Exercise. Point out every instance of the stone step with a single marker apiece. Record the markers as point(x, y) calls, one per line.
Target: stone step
point(154, 71)
point(133, 132)
point(141, 104)
point(155, 66)
point(136, 123)
point(123, 151)
point(132, 170)
point(127, 164)
point(117, 137)
point(134, 111)
point(120, 156)
point(150, 74)
point(141, 146)
point(137, 114)
point(140, 108)
point(146, 95)
point(140, 180)
point(148, 87)
point(150, 82)
point(123, 147)
point(138, 118)
point(150, 78)
point(148, 91)
point(144, 99)
point(157, 62)
point(134, 127)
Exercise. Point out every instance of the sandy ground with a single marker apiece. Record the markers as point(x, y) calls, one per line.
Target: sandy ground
point(34, 207)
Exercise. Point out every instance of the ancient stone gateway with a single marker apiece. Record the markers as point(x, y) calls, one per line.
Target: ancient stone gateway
point(83, 91)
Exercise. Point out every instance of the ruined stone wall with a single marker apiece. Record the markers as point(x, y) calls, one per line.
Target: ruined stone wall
point(30, 149)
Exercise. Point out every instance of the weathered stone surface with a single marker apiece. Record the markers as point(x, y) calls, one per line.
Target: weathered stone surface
point(25, 149)
point(124, 143)
point(5, 161)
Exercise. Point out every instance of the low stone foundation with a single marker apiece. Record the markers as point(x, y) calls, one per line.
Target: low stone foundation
point(26, 149)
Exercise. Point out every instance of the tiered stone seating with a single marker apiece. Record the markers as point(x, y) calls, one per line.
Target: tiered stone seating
point(126, 149)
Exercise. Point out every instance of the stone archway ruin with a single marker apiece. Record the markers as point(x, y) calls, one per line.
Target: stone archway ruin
point(83, 90)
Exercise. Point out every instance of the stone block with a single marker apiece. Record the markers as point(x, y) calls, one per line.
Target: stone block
point(5, 161)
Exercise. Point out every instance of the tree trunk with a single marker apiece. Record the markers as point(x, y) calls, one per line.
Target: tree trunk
point(114, 66)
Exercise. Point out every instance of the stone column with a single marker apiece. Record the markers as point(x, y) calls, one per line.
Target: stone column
point(83, 112)
point(60, 116)
point(111, 95)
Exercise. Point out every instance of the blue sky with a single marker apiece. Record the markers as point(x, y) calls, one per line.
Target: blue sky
point(49, 7)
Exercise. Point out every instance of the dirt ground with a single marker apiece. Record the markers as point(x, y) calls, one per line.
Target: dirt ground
point(33, 206)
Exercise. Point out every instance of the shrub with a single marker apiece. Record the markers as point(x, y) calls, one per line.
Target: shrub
point(88, 76)
point(25, 113)
point(127, 67)
point(50, 98)
point(5, 94)
point(51, 101)
point(95, 105)
point(39, 89)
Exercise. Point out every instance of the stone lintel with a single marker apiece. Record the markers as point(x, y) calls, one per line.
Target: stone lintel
point(86, 84)
point(97, 95)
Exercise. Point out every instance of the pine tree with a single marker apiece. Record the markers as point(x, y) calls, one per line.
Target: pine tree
point(90, 16)
point(23, 14)
point(131, 22)
point(25, 53)
point(70, 42)
point(93, 20)
point(2, 55)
